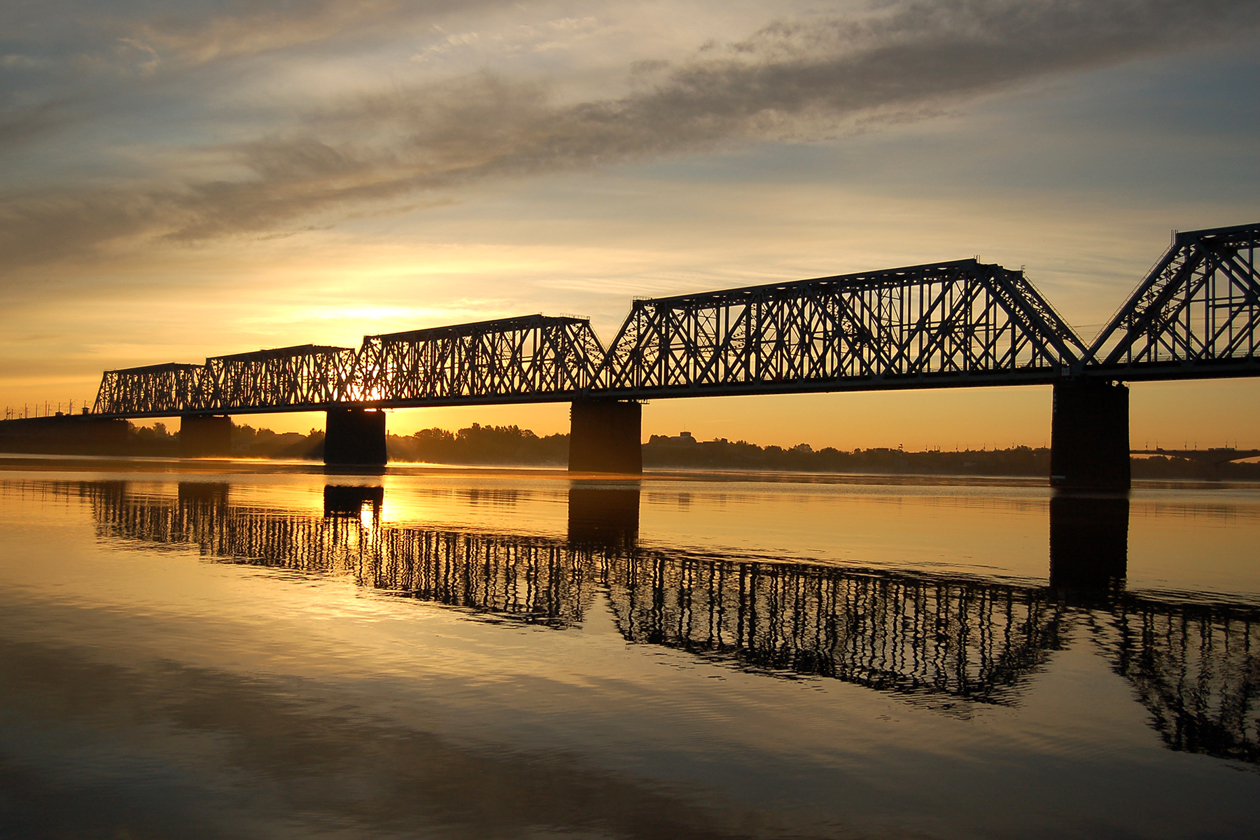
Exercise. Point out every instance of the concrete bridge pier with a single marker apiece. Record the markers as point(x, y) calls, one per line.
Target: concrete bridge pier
point(1089, 436)
point(205, 436)
point(606, 436)
point(354, 437)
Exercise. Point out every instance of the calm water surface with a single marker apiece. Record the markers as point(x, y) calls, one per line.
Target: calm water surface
point(233, 650)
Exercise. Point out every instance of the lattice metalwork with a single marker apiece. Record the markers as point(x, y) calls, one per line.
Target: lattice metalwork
point(921, 637)
point(924, 637)
point(532, 358)
point(955, 323)
point(1196, 667)
point(1194, 315)
point(155, 390)
point(928, 638)
point(288, 377)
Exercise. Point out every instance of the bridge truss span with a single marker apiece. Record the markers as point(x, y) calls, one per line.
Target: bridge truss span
point(152, 390)
point(1196, 314)
point(954, 323)
point(307, 375)
point(947, 324)
point(534, 358)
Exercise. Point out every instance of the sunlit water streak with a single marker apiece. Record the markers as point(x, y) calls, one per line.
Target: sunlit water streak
point(502, 654)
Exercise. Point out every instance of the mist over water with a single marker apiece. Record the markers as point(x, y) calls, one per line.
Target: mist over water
point(224, 651)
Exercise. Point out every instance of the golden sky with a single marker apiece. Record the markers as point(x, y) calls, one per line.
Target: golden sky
point(197, 179)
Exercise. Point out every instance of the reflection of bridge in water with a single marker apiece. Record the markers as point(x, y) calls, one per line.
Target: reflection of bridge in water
point(943, 641)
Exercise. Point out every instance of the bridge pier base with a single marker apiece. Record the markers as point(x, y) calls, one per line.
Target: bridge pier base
point(354, 437)
point(606, 436)
point(1089, 436)
point(205, 436)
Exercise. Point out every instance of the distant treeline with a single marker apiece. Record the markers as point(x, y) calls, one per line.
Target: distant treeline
point(475, 445)
point(247, 441)
point(480, 445)
point(686, 452)
point(512, 445)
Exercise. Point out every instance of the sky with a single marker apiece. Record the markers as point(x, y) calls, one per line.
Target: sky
point(193, 179)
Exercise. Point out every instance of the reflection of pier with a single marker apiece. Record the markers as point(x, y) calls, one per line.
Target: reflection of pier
point(941, 641)
point(1089, 544)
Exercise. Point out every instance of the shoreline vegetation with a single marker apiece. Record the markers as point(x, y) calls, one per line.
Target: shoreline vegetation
point(513, 446)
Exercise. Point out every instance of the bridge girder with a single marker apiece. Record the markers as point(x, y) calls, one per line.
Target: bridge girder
point(962, 323)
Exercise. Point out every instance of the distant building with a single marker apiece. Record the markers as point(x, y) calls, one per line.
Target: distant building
point(681, 439)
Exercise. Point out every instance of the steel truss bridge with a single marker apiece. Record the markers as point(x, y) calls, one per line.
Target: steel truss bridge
point(952, 324)
point(947, 642)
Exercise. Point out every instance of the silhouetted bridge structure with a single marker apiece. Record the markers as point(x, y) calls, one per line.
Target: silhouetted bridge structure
point(939, 640)
point(951, 324)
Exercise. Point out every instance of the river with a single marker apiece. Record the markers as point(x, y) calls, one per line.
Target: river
point(245, 649)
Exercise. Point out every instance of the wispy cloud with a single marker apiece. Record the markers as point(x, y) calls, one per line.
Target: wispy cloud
point(196, 38)
point(790, 80)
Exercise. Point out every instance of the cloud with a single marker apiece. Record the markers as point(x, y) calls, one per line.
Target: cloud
point(790, 80)
point(150, 60)
point(198, 39)
point(17, 61)
point(446, 45)
point(21, 124)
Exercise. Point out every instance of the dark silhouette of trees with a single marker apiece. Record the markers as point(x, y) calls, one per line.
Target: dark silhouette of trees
point(512, 445)
point(686, 452)
point(480, 445)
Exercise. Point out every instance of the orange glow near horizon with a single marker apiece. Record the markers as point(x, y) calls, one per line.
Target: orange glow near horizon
point(156, 214)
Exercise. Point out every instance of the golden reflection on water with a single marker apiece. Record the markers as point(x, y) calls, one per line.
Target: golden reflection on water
point(675, 657)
